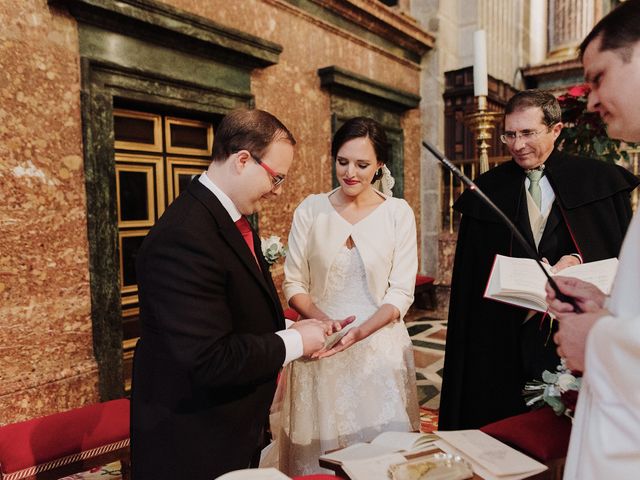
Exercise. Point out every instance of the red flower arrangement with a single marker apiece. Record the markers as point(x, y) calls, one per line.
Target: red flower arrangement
point(585, 133)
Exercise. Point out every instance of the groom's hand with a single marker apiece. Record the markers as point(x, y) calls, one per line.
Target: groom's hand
point(313, 333)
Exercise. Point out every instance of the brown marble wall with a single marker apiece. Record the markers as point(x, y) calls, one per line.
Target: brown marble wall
point(291, 91)
point(46, 357)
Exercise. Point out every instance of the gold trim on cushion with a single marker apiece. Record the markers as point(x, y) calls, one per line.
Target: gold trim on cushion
point(59, 462)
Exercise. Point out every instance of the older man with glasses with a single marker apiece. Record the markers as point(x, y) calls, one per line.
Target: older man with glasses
point(572, 210)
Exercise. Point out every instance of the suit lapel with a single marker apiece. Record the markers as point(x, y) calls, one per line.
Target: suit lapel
point(523, 221)
point(230, 233)
point(553, 220)
point(234, 238)
point(269, 281)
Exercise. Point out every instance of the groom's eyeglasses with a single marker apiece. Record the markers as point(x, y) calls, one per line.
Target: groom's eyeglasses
point(276, 178)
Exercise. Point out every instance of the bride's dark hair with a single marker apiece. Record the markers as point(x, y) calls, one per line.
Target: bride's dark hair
point(359, 127)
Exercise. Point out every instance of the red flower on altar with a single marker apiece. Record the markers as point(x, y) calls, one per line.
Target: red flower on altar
point(579, 90)
point(584, 132)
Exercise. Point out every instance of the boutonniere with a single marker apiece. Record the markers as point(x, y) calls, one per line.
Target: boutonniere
point(272, 249)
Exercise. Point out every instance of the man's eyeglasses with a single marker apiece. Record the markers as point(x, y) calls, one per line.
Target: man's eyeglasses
point(276, 178)
point(527, 135)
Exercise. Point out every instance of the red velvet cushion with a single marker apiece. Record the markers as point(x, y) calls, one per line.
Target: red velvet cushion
point(422, 280)
point(39, 440)
point(317, 476)
point(291, 314)
point(540, 433)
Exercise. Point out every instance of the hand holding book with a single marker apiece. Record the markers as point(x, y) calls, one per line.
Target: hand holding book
point(588, 296)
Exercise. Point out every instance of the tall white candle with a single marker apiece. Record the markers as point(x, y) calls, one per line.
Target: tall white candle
point(480, 86)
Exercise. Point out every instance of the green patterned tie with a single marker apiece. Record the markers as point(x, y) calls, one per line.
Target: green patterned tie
point(534, 177)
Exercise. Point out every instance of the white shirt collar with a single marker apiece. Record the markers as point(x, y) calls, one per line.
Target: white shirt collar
point(226, 202)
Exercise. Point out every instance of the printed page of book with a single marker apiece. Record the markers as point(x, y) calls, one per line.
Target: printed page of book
point(486, 453)
point(405, 440)
point(358, 451)
point(372, 469)
point(600, 273)
point(518, 281)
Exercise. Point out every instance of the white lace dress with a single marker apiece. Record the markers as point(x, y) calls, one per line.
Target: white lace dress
point(352, 396)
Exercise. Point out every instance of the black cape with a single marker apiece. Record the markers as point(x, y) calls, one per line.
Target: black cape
point(488, 348)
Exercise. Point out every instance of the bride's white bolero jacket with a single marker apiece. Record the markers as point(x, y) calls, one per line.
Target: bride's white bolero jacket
point(386, 241)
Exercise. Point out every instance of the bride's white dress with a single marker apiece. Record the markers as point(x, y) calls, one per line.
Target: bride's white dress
point(352, 396)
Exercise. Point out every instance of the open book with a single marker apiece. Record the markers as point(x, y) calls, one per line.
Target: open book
point(489, 458)
point(386, 442)
point(519, 281)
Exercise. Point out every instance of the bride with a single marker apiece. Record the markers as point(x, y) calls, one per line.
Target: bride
point(352, 251)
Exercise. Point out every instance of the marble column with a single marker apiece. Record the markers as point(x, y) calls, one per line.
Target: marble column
point(569, 22)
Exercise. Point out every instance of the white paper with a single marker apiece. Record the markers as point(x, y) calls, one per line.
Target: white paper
point(373, 468)
point(383, 444)
point(254, 474)
point(489, 457)
point(404, 440)
point(357, 451)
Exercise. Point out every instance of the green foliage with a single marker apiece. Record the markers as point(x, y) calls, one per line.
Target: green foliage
point(584, 132)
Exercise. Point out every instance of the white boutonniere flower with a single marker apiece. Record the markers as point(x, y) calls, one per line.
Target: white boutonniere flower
point(559, 390)
point(272, 249)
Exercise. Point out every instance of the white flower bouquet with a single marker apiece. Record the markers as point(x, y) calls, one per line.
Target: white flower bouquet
point(558, 390)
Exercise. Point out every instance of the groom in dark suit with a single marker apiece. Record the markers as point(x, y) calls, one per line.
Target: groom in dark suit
point(213, 337)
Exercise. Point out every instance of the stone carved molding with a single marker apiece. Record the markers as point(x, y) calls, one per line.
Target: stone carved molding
point(176, 28)
point(341, 81)
point(385, 21)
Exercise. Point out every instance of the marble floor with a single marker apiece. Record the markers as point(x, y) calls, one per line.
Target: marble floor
point(428, 330)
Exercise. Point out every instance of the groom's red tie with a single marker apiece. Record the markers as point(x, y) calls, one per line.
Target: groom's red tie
point(247, 234)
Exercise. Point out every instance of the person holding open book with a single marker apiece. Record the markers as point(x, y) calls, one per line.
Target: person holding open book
point(604, 340)
point(572, 210)
point(352, 251)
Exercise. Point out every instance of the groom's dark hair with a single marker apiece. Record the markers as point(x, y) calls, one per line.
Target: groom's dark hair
point(619, 30)
point(252, 130)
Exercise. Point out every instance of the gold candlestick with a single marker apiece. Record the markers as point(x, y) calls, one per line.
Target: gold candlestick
point(481, 123)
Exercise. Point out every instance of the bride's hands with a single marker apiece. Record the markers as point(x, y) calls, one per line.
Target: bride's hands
point(337, 325)
point(352, 336)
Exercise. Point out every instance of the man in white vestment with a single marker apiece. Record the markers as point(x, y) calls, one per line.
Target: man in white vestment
point(604, 341)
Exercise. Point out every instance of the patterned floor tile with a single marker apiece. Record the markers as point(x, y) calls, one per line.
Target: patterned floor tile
point(428, 330)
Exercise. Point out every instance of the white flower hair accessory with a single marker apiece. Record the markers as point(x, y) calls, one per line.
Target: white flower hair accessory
point(386, 181)
point(272, 249)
